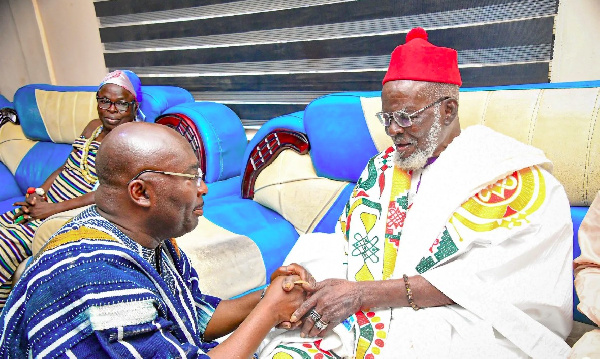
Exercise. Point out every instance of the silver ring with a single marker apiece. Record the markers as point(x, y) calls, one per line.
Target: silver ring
point(314, 315)
point(320, 325)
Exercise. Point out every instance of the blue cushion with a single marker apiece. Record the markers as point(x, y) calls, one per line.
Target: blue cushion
point(577, 214)
point(329, 220)
point(29, 115)
point(39, 163)
point(224, 188)
point(223, 136)
point(340, 143)
point(9, 187)
point(7, 204)
point(156, 99)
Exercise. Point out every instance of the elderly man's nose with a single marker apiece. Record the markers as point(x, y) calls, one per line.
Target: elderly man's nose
point(395, 129)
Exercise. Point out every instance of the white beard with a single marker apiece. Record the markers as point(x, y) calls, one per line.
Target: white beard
point(419, 158)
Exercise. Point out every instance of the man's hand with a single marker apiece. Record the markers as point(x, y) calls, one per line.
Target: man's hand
point(284, 296)
point(308, 285)
point(296, 269)
point(333, 300)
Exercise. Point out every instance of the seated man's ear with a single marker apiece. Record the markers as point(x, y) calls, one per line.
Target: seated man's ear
point(450, 111)
point(139, 192)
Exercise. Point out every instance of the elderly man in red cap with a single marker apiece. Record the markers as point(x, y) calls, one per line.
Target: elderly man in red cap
point(460, 249)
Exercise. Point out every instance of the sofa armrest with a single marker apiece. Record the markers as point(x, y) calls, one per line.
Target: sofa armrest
point(227, 263)
point(266, 151)
point(216, 134)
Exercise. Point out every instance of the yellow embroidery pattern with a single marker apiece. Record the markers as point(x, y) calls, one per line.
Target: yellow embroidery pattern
point(507, 203)
point(400, 182)
point(368, 221)
point(76, 235)
point(400, 185)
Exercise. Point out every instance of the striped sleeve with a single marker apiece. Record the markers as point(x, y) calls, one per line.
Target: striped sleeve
point(148, 340)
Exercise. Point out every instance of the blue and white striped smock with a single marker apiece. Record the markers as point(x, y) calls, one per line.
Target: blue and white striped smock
point(94, 292)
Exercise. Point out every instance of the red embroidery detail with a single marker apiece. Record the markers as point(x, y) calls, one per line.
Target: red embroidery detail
point(435, 243)
point(509, 212)
point(361, 194)
point(361, 319)
point(318, 346)
point(379, 342)
point(395, 218)
point(381, 183)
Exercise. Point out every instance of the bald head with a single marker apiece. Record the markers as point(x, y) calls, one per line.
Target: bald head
point(149, 184)
point(133, 147)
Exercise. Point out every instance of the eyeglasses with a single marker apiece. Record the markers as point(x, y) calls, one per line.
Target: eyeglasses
point(197, 177)
point(105, 104)
point(402, 118)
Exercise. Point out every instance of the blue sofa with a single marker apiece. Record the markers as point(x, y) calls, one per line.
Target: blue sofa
point(297, 172)
point(303, 166)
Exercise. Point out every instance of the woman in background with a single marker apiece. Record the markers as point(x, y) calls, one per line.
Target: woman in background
point(70, 186)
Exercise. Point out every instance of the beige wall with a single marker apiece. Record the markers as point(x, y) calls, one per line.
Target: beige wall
point(49, 41)
point(577, 41)
point(58, 42)
point(14, 70)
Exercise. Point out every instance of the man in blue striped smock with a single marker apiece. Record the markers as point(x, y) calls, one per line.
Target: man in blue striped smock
point(111, 283)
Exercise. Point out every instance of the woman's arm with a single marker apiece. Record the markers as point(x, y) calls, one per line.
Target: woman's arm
point(35, 207)
point(230, 313)
point(277, 306)
point(40, 209)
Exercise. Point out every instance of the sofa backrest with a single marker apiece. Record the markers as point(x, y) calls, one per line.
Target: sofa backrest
point(343, 134)
point(60, 113)
point(51, 117)
point(561, 119)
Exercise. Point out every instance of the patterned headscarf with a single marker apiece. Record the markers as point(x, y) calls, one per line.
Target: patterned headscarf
point(130, 82)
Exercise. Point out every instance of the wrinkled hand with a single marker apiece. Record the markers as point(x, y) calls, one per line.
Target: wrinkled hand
point(284, 301)
point(334, 299)
point(34, 207)
point(304, 274)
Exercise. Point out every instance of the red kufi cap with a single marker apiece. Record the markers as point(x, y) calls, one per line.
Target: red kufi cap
point(420, 60)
